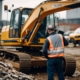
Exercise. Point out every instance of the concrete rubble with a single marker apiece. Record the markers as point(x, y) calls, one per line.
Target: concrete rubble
point(7, 72)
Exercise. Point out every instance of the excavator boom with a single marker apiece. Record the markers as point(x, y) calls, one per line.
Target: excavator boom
point(48, 7)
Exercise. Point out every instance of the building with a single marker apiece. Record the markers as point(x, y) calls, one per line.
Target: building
point(73, 14)
point(72, 20)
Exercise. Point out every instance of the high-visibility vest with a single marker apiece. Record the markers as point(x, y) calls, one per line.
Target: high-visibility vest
point(55, 51)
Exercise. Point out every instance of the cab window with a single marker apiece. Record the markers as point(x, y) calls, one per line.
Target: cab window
point(25, 15)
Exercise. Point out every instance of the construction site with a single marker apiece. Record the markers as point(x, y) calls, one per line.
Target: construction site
point(22, 38)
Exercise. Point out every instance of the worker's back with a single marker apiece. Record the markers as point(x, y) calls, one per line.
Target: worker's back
point(56, 40)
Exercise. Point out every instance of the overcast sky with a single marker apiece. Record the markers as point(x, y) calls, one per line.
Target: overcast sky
point(24, 3)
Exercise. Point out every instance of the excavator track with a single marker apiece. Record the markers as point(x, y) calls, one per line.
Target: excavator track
point(23, 61)
point(20, 60)
point(69, 65)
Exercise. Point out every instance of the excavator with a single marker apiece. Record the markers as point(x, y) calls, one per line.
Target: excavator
point(25, 35)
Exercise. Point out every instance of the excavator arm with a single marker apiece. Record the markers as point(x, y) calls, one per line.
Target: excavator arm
point(43, 10)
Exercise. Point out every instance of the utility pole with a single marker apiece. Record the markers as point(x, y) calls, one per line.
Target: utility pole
point(7, 10)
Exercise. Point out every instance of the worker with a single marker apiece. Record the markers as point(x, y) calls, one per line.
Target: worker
point(53, 50)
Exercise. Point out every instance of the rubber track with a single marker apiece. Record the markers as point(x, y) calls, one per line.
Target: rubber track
point(69, 65)
point(24, 59)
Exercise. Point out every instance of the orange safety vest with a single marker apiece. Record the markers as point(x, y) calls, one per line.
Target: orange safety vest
point(55, 52)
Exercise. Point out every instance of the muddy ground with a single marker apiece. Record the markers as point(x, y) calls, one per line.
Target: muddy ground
point(40, 74)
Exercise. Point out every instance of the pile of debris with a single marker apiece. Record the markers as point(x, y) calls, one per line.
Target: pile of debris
point(7, 72)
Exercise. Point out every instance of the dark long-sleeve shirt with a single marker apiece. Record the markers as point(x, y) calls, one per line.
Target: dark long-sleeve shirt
point(46, 44)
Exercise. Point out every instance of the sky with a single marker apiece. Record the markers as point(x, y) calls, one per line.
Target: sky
point(24, 3)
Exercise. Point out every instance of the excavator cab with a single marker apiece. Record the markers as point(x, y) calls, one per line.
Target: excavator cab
point(18, 18)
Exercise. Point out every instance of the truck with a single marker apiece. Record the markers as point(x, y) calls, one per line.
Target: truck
point(25, 36)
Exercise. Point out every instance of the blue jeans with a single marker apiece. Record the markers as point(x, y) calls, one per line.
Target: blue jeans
point(55, 64)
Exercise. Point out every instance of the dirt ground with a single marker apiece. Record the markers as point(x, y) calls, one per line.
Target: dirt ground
point(41, 74)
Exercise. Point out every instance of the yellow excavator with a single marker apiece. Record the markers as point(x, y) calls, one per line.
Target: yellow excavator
point(25, 35)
